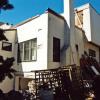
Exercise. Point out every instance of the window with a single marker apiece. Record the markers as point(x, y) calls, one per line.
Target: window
point(56, 49)
point(28, 50)
point(33, 50)
point(76, 47)
point(92, 53)
point(6, 46)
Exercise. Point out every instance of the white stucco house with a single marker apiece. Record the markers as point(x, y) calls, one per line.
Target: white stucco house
point(51, 40)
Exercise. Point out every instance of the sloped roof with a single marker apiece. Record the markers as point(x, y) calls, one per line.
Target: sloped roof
point(34, 17)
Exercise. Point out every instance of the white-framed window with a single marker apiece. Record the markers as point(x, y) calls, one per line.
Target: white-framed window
point(34, 49)
point(28, 50)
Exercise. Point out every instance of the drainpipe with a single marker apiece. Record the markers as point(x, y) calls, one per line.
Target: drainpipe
point(99, 54)
point(14, 82)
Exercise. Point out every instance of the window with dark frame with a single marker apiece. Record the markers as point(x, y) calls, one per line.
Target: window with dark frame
point(28, 50)
point(56, 49)
point(92, 53)
point(19, 54)
point(7, 46)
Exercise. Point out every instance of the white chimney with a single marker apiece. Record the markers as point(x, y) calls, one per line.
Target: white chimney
point(68, 13)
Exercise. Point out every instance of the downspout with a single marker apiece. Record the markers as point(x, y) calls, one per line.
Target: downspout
point(14, 82)
point(99, 54)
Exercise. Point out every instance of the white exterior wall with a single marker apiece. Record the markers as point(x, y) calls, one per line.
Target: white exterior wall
point(36, 28)
point(56, 29)
point(87, 23)
point(11, 35)
point(91, 23)
point(95, 26)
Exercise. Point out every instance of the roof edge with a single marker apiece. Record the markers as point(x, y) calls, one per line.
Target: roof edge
point(34, 17)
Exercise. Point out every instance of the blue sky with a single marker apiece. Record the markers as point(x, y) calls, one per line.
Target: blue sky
point(24, 9)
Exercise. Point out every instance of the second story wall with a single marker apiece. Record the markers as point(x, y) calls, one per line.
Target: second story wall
point(95, 26)
point(35, 28)
point(82, 19)
point(55, 40)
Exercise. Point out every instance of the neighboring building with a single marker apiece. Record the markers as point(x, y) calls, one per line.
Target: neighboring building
point(51, 40)
point(8, 49)
point(88, 20)
point(87, 30)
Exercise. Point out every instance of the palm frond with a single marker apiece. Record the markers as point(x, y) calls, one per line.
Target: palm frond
point(12, 70)
point(8, 7)
point(10, 75)
point(2, 77)
point(5, 5)
point(6, 70)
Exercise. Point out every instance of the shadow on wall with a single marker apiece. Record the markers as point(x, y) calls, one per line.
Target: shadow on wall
point(66, 43)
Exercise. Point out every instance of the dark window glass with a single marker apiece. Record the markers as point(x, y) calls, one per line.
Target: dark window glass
point(92, 53)
point(19, 52)
point(76, 47)
point(6, 46)
point(56, 49)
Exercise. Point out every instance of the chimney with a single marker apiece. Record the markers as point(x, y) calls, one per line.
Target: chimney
point(68, 13)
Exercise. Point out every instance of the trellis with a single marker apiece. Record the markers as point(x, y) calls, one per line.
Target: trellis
point(63, 81)
point(56, 78)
